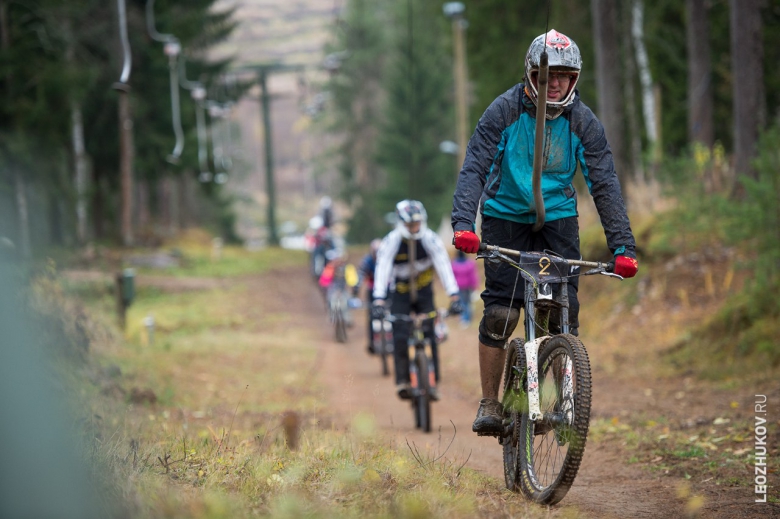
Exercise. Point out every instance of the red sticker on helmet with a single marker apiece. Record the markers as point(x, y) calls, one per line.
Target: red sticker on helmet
point(556, 40)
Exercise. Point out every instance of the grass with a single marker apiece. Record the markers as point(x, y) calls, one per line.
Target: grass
point(720, 451)
point(239, 424)
point(199, 257)
point(235, 386)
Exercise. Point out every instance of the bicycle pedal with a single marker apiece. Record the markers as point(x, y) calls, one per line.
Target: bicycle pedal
point(493, 434)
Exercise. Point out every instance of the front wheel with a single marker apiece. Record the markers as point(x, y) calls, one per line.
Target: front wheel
point(379, 344)
point(340, 323)
point(421, 401)
point(383, 354)
point(551, 448)
point(317, 263)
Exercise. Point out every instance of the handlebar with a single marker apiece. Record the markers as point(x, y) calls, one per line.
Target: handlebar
point(414, 318)
point(598, 267)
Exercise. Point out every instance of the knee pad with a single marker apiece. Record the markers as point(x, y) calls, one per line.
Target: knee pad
point(498, 323)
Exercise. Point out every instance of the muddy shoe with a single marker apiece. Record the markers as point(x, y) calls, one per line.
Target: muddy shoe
point(433, 393)
point(489, 418)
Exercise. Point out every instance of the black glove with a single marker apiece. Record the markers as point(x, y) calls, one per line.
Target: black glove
point(377, 311)
point(456, 308)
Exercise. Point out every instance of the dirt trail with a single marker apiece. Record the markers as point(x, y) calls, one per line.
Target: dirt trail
point(604, 488)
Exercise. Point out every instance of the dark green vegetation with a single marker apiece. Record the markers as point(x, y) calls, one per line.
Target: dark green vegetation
point(732, 239)
point(389, 150)
point(58, 62)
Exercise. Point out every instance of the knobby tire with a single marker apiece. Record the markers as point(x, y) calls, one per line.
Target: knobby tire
point(379, 345)
point(550, 454)
point(340, 324)
point(383, 353)
point(422, 401)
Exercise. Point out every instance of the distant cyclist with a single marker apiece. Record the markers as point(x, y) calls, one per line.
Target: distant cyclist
point(326, 212)
point(338, 279)
point(406, 260)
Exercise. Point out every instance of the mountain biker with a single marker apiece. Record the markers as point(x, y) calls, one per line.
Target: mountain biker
point(411, 237)
point(496, 179)
point(337, 278)
point(319, 241)
point(326, 212)
point(366, 272)
point(465, 270)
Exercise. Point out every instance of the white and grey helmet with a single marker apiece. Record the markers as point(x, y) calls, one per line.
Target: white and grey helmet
point(410, 211)
point(562, 55)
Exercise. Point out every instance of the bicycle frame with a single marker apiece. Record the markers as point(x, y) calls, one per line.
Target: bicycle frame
point(541, 273)
point(417, 342)
point(548, 370)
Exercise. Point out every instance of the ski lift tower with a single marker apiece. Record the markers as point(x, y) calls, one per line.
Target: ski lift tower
point(262, 72)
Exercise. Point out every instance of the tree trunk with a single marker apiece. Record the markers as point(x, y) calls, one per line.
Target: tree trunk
point(184, 202)
point(126, 167)
point(700, 95)
point(649, 109)
point(174, 206)
point(610, 96)
point(80, 163)
point(23, 215)
point(632, 116)
point(748, 74)
point(98, 204)
point(19, 188)
point(144, 206)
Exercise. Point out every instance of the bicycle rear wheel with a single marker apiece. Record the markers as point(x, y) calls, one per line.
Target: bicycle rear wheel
point(421, 399)
point(340, 324)
point(551, 449)
point(514, 402)
point(383, 354)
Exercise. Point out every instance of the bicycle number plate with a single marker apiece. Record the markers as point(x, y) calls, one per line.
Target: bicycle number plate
point(543, 267)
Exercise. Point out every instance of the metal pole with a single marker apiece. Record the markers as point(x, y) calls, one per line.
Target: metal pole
point(265, 98)
point(125, 131)
point(126, 165)
point(455, 11)
point(172, 50)
point(459, 29)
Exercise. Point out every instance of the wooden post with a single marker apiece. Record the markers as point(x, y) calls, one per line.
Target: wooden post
point(121, 307)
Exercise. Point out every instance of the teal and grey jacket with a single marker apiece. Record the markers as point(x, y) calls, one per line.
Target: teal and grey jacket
point(497, 171)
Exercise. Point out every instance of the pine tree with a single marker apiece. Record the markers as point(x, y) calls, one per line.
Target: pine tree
point(419, 113)
point(58, 61)
point(357, 59)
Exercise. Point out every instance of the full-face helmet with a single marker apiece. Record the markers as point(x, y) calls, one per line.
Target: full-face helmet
point(412, 218)
point(563, 56)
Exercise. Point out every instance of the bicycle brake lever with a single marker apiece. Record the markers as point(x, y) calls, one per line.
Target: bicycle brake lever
point(497, 257)
point(612, 275)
